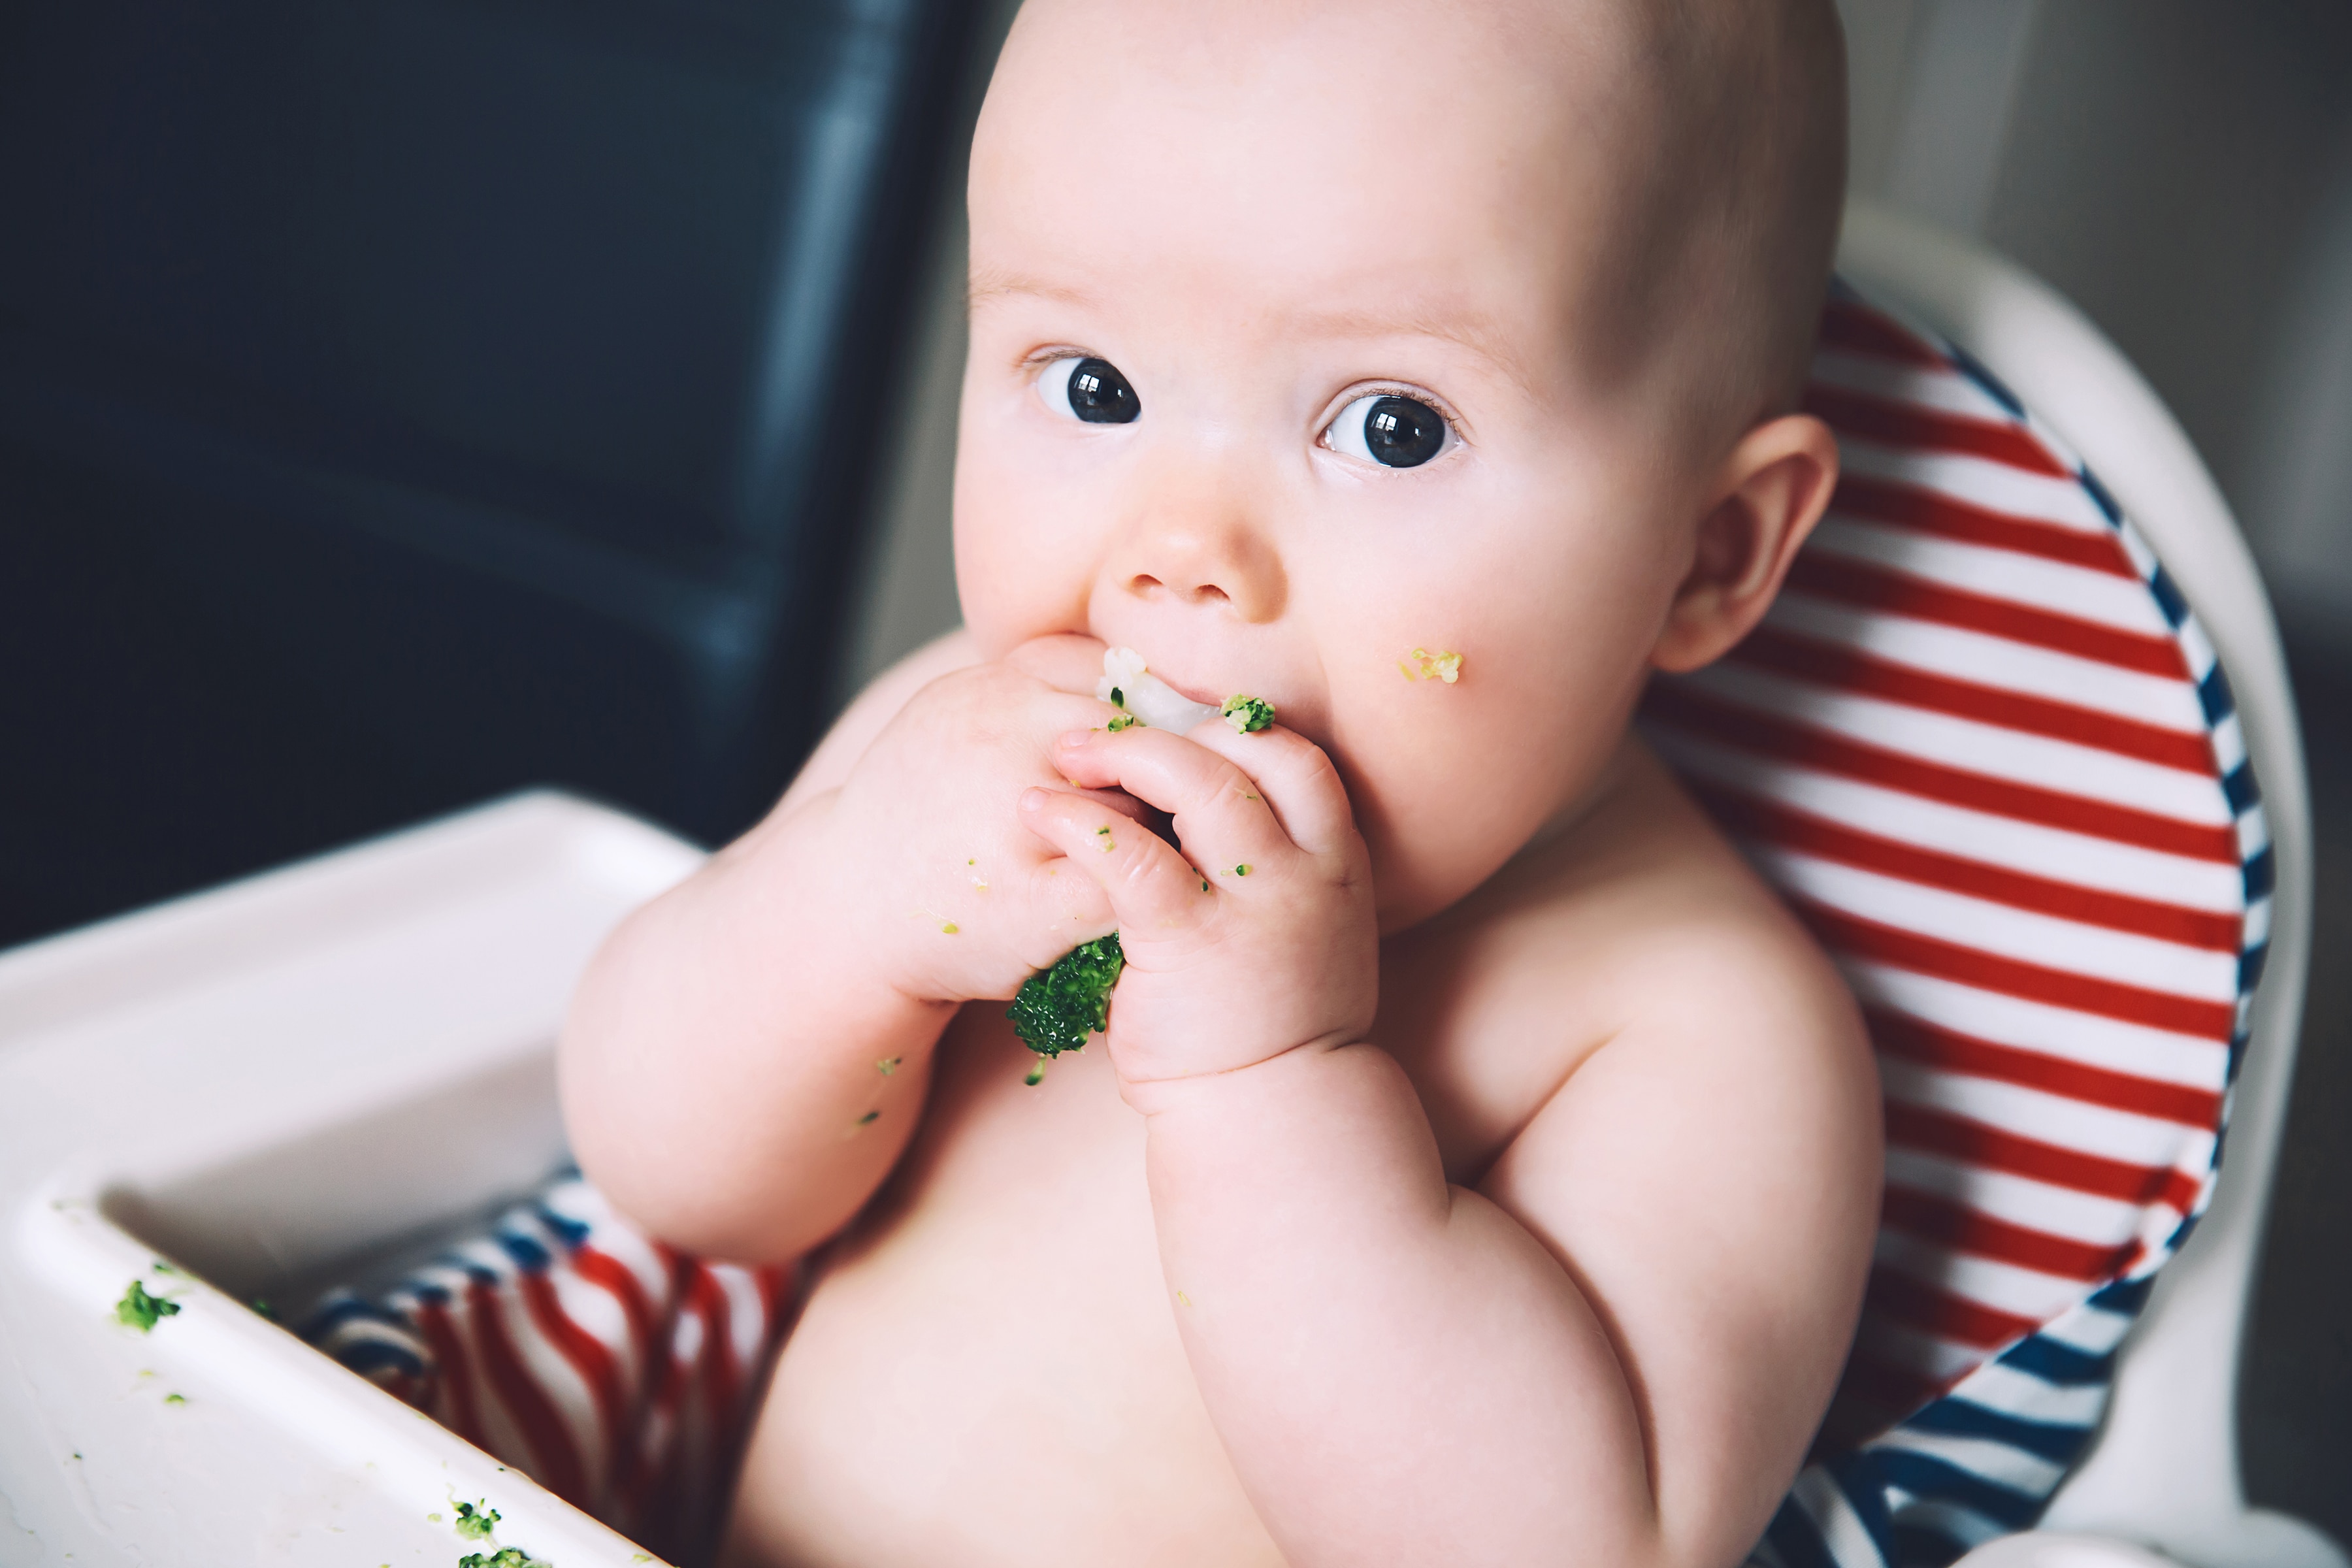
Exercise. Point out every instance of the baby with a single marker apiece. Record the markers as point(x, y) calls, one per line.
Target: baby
point(1480, 1167)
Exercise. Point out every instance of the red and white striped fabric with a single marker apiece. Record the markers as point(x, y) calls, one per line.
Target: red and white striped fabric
point(614, 1370)
point(1984, 750)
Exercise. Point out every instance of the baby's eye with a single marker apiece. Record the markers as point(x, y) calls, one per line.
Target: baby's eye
point(1090, 389)
point(1388, 428)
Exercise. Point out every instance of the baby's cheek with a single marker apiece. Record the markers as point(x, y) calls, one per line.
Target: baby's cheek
point(1017, 576)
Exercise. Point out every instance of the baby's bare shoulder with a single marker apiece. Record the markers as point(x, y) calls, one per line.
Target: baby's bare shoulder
point(1708, 1166)
point(1633, 944)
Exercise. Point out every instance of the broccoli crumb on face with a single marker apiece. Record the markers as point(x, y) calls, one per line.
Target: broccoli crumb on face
point(1423, 665)
point(1108, 843)
point(889, 1065)
point(948, 928)
point(868, 1120)
point(1247, 715)
point(1058, 1007)
point(142, 1312)
point(1240, 870)
point(476, 1522)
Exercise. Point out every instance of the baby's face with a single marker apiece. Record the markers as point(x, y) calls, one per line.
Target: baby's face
point(1279, 370)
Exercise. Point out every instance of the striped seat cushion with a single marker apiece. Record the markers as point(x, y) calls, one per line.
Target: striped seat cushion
point(1983, 749)
point(612, 1369)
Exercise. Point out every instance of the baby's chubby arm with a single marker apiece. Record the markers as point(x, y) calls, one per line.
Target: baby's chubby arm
point(748, 1053)
point(1613, 1351)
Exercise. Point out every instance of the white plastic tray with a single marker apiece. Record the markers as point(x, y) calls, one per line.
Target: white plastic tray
point(274, 1086)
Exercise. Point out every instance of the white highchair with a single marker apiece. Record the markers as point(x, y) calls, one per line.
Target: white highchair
point(323, 1072)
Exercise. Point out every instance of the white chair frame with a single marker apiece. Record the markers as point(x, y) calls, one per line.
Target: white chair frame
point(2163, 1471)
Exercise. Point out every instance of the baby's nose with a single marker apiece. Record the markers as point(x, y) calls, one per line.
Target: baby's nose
point(1206, 555)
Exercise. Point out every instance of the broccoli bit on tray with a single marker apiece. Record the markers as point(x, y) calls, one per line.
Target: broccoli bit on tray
point(1058, 1008)
point(140, 1310)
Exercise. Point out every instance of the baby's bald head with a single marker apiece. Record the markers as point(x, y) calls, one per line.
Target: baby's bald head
point(1730, 130)
point(1683, 160)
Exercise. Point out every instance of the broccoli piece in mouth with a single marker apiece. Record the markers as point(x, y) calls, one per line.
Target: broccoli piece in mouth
point(1247, 715)
point(140, 1311)
point(1058, 1008)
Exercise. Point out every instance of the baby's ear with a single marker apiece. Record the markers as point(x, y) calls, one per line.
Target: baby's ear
point(1769, 494)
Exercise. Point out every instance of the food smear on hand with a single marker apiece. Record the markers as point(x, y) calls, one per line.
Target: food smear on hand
point(1058, 1008)
point(1423, 665)
point(1127, 686)
point(1247, 715)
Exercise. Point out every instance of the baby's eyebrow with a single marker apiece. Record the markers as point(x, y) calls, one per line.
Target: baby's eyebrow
point(992, 283)
point(1480, 335)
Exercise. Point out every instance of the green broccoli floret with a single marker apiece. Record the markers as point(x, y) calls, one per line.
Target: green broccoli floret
point(1247, 715)
point(504, 1557)
point(476, 1522)
point(1058, 1008)
point(140, 1310)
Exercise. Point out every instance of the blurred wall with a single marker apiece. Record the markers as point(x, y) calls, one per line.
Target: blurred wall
point(2182, 171)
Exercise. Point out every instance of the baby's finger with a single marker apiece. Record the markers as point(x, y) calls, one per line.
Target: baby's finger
point(1296, 779)
point(1221, 814)
point(1151, 887)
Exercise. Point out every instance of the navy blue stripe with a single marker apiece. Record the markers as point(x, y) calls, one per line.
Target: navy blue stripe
point(1971, 367)
point(2168, 598)
point(2215, 695)
point(2251, 964)
point(1952, 1417)
point(2238, 787)
point(479, 1273)
point(1794, 1537)
point(2106, 503)
point(572, 1231)
point(2125, 1298)
point(1919, 1546)
point(2046, 1358)
point(2261, 874)
point(1926, 1476)
point(366, 1355)
point(528, 1254)
point(438, 1295)
point(1857, 1480)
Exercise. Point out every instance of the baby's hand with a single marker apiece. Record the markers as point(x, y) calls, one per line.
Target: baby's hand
point(1260, 936)
point(929, 857)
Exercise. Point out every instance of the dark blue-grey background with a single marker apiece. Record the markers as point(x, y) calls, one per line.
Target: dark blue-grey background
point(404, 401)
